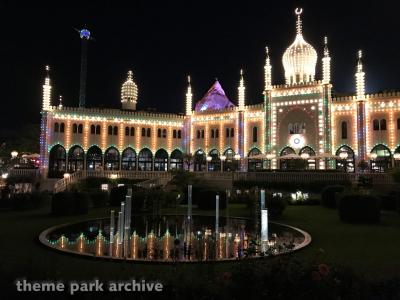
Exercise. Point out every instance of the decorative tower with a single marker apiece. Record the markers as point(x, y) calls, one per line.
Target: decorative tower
point(46, 91)
point(46, 106)
point(240, 119)
point(85, 36)
point(326, 64)
point(189, 98)
point(361, 117)
point(268, 107)
point(241, 90)
point(129, 93)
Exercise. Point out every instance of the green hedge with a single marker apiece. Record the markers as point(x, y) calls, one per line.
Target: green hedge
point(98, 198)
point(359, 208)
point(25, 201)
point(70, 203)
point(329, 195)
point(275, 205)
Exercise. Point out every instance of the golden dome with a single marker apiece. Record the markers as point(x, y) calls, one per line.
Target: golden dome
point(300, 58)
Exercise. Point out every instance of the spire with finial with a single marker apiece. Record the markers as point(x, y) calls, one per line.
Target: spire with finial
point(360, 78)
point(189, 98)
point(326, 63)
point(298, 12)
point(241, 90)
point(46, 103)
point(268, 71)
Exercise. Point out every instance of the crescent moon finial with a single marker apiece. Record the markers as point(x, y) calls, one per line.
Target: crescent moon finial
point(298, 11)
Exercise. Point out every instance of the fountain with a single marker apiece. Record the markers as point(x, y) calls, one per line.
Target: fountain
point(140, 238)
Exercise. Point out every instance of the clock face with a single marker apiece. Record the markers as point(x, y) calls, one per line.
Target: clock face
point(297, 141)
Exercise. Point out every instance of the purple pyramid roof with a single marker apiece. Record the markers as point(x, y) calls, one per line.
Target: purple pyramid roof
point(215, 99)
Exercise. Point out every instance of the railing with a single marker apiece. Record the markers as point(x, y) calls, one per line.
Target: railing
point(24, 172)
point(153, 177)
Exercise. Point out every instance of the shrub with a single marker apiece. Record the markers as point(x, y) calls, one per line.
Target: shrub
point(359, 208)
point(329, 195)
point(98, 198)
point(205, 199)
point(69, 203)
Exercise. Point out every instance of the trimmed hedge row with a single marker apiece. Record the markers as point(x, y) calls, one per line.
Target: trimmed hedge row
point(329, 195)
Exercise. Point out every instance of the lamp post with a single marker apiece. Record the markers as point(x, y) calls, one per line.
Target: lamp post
point(208, 160)
point(222, 158)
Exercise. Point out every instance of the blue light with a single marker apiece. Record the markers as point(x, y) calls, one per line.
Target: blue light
point(84, 33)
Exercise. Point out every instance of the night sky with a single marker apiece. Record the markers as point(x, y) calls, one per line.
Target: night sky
point(163, 43)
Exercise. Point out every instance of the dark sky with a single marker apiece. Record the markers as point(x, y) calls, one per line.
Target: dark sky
point(162, 43)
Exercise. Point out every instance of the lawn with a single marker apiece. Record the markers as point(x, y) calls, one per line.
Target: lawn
point(371, 250)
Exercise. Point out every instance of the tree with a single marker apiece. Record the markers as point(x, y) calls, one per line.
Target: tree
point(188, 160)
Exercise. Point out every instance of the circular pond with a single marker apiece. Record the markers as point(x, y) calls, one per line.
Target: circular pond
point(172, 238)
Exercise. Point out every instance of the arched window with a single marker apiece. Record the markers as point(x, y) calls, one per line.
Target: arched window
point(75, 159)
point(110, 130)
point(111, 159)
point(310, 162)
point(198, 134)
point(199, 161)
point(383, 124)
point(398, 124)
point(179, 134)
point(126, 131)
point(227, 132)
point(98, 129)
point(92, 129)
point(255, 134)
point(232, 132)
point(290, 128)
point(254, 164)
point(56, 127)
point(383, 160)
point(80, 128)
point(216, 133)
point(344, 130)
point(176, 161)
point(215, 163)
point(143, 132)
point(230, 164)
point(174, 133)
point(375, 124)
point(164, 133)
point(145, 160)
point(347, 161)
point(57, 160)
point(212, 133)
point(159, 132)
point(202, 133)
point(148, 132)
point(132, 131)
point(115, 131)
point(94, 158)
point(62, 127)
point(128, 161)
point(161, 160)
point(74, 128)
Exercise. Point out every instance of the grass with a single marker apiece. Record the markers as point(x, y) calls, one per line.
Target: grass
point(371, 250)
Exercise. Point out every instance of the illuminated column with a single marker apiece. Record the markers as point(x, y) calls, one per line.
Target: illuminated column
point(240, 132)
point(189, 99)
point(127, 222)
point(121, 219)
point(44, 128)
point(216, 216)
point(361, 116)
point(262, 198)
point(267, 105)
point(264, 230)
point(326, 64)
point(187, 128)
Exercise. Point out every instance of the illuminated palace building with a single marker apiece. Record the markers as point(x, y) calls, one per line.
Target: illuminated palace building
point(297, 122)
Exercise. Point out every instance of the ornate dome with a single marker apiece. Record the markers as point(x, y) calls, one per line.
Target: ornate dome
point(215, 99)
point(129, 93)
point(300, 59)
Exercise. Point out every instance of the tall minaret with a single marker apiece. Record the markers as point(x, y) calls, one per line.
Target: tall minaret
point(46, 91)
point(85, 36)
point(241, 90)
point(189, 98)
point(361, 112)
point(360, 78)
point(268, 71)
point(326, 64)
